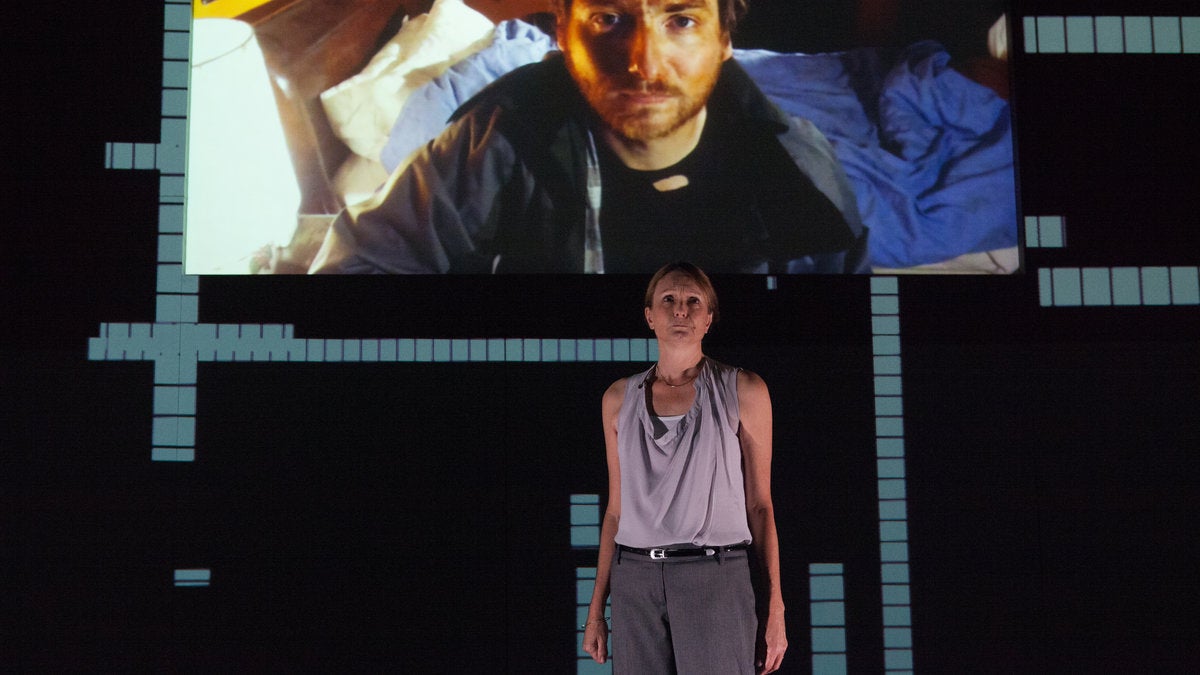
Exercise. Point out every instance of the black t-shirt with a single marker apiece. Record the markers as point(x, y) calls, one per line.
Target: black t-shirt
point(705, 221)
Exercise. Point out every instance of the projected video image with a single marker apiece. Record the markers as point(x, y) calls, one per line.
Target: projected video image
point(479, 137)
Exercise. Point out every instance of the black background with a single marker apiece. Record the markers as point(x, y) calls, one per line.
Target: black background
point(415, 515)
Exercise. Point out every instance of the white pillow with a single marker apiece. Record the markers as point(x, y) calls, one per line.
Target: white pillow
point(363, 108)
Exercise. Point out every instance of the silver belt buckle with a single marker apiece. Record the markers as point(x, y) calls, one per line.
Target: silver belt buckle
point(658, 554)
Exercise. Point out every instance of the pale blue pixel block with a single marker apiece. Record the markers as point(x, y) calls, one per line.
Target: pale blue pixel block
point(889, 426)
point(169, 155)
point(896, 594)
point(885, 304)
point(639, 350)
point(587, 666)
point(585, 499)
point(583, 590)
point(889, 405)
point(97, 349)
point(172, 454)
point(893, 552)
point(1110, 35)
point(897, 615)
point(653, 349)
point(1139, 38)
point(549, 350)
point(887, 385)
point(119, 156)
point(406, 350)
point(1167, 37)
point(826, 568)
point(441, 350)
point(826, 640)
point(1127, 286)
point(885, 285)
point(886, 345)
point(170, 218)
point(166, 308)
point(825, 588)
point(174, 102)
point(890, 468)
point(175, 74)
point(885, 325)
point(893, 531)
point(1190, 28)
point(144, 156)
point(1051, 231)
point(772, 282)
point(423, 350)
point(1156, 286)
point(566, 350)
point(620, 349)
point(893, 509)
point(177, 17)
point(586, 350)
point(512, 349)
point(1081, 35)
point(170, 278)
point(1068, 290)
point(187, 368)
point(887, 365)
point(1029, 30)
point(1045, 292)
point(388, 351)
point(883, 345)
point(352, 350)
point(896, 659)
point(1097, 286)
point(1185, 286)
point(892, 488)
point(333, 350)
point(1051, 35)
point(189, 308)
point(897, 638)
point(370, 351)
point(828, 613)
point(173, 430)
point(585, 573)
point(476, 349)
point(176, 45)
point(315, 350)
point(894, 573)
point(585, 536)
point(585, 514)
point(829, 664)
point(531, 349)
point(604, 350)
point(193, 574)
point(170, 248)
point(1032, 239)
point(171, 188)
point(496, 349)
point(889, 447)
point(174, 400)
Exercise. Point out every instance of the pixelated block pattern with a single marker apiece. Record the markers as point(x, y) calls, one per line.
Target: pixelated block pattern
point(827, 608)
point(890, 467)
point(1111, 34)
point(1045, 232)
point(193, 578)
point(1118, 286)
point(585, 535)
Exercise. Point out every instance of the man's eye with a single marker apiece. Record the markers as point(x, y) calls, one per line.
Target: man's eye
point(682, 21)
point(606, 21)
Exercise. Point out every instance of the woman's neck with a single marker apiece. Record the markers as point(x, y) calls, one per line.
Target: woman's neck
point(676, 366)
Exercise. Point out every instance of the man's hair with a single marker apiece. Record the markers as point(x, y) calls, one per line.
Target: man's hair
point(698, 276)
point(730, 11)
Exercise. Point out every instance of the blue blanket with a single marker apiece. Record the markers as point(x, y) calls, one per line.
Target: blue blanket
point(928, 152)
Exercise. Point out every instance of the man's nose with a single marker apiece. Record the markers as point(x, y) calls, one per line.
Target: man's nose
point(645, 51)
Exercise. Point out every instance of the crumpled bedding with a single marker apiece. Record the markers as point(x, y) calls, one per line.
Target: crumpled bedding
point(928, 151)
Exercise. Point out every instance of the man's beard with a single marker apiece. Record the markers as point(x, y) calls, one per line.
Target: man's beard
point(636, 123)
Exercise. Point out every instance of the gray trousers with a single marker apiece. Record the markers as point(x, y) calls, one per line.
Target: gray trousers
point(689, 616)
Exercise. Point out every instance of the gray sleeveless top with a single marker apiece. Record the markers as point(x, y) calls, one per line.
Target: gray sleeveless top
point(682, 484)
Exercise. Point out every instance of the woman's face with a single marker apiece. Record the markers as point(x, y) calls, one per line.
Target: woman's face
point(679, 310)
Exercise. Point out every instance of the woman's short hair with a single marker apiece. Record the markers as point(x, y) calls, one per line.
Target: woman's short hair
point(697, 275)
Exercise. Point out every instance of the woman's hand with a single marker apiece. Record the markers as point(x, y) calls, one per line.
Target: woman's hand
point(772, 643)
point(595, 640)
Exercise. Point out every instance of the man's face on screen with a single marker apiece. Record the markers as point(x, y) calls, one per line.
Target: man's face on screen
point(646, 67)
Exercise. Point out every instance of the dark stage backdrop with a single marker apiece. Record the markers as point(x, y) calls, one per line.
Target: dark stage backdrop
point(972, 474)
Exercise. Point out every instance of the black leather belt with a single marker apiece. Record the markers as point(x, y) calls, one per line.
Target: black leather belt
point(663, 553)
